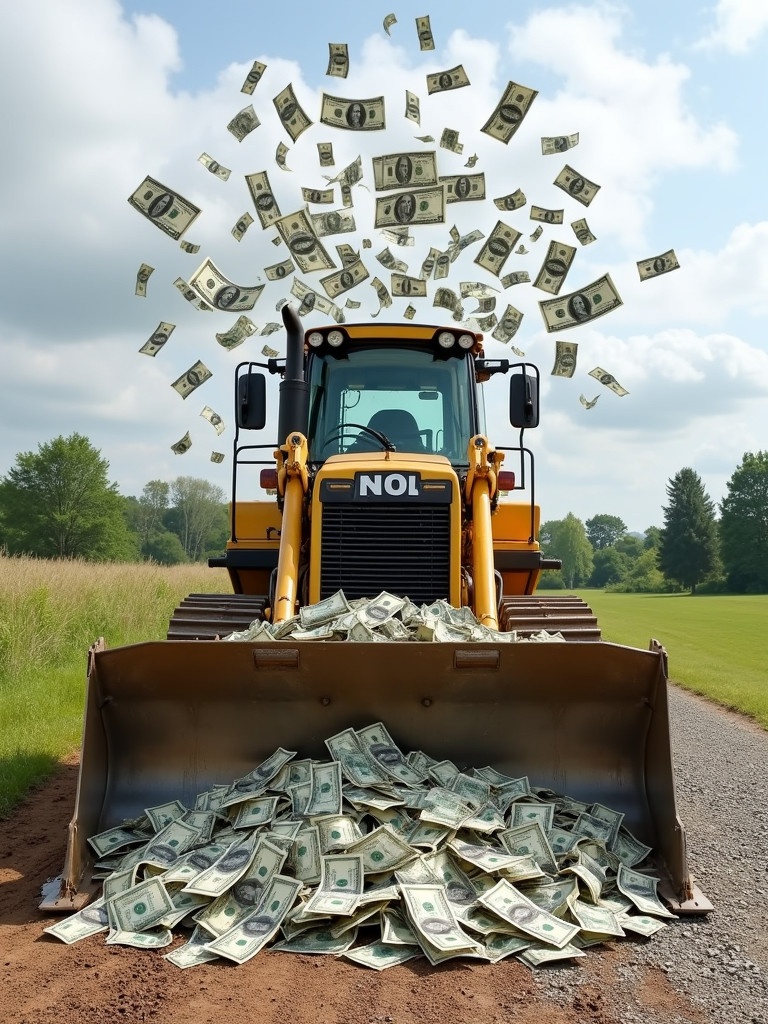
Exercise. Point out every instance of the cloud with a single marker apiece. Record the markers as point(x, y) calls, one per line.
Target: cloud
point(739, 25)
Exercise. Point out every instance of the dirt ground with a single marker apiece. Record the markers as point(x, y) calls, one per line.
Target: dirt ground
point(44, 981)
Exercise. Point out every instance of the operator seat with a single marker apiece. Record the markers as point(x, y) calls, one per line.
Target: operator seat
point(400, 427)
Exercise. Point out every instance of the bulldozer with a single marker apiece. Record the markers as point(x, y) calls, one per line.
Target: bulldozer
point(383, 479)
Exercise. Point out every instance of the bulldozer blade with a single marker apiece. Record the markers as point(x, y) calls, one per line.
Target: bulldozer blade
point(168, 719)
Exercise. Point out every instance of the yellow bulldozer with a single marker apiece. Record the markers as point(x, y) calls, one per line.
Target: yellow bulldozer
point(385, 480)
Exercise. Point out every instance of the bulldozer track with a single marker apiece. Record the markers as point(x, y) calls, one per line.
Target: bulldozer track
point(206, 616)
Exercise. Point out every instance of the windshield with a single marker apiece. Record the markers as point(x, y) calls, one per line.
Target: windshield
point(419, 403)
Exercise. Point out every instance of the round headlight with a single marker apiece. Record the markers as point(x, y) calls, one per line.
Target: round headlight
point(315, 339)
point(466, 341)
point(445, 339)
point(335, 338)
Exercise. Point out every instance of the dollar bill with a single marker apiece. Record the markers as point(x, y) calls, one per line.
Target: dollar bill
point(253, 933)
point(354, 115)
point(387, 259)
point(530, 840)
point(143, 274)
point(325, 154)
point(582, 232)
point(243, 123)
point(189, 247)
point(396, 170)
point(462, 188)
point(338, 60)
point(157, 339)
point(511, 202)
point(472, 160)
point(270, 328)
point(349, 175)
point(484, 306)
point(217, 457)
point(409, 312)
point(576, 185)
point(277, 271)
point(556, 265)
point(343, 280)
point(508, 325)
point(558, 143)
point(412, 106)
point(565, 358)
point(448, 299)
point(221, 293)
point(141, 907)
point(263, 198)
point(476, 290)
point(341, 886)
point(421, 206)
point(509, 112)
point(88, 921)
point(442, 265)
point(484, 324)
point(281, 154)
point(497, 248)
point(243, 223)
point(402, 285)
point(548, 216)
point(347, 254)
point(242, 328)
point(424, 138)
point(317, 195)
point(304, 245)
point(536, 235)
point(214, 166)
point(400, 236)
point(334, 222)
point(442, 81)
point(183, 445)
point(431, 915)
point(191, 295)
point(450, 140)
point(214, 419)
point(253, 77)
point(511, 906)
point(189, 381)
point(168, 210)
point(516, 277)
point(291, 115)
point(379, 955)
point(657, 265)
point(583, 306)
point(424, 31)
point(269, 353)
point(311, 300)
point(641, 889)
point(609, 380)
point(389, 21)
point(588, 403)
point(428, 266)
point(346, 196)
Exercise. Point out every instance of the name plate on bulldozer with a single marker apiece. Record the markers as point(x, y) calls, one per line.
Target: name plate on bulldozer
point(388, 486)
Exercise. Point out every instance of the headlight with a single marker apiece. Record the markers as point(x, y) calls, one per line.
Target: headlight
point(445, 339)
point(335, 338)
point(466, 341)
point(315, 339)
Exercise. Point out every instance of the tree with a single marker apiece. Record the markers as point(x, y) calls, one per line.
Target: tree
point(603, 531)
point(688, 551)
point(58, 503)
point(652, 537)
point(566, 539)
point(199, 516)
point(744, 525)
point(610, 566)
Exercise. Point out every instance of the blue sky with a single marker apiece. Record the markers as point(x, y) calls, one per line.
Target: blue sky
point(664, 98)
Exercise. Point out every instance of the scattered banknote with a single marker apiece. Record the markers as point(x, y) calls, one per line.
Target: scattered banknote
point(582, 189)
point(580, 307)
point(242, 328)
point(558, 143)
point(476, 290)
point(521, 250)
point(446, 298)
point(424, 30)
point(343, 280)
point(609, 380)
point(183, 445)
point(441, 81)
point(461, 188)
point(565, 358)
point(325, 154)
point(269, 353)
point(263, 198)
point(412, 107)
point(143, 274)
point(425, 138)
point(516, 277)
point(305, 247)
point(556, 265)
point(165, 208)
point(281, 155)
point(243, 223)
point(253, 77)
point(509, 112)
point(346, 195)
point(588, 403)
point(397, 170)
point(400, 236)
point(582, 232)
point(387, 259)
point(311, 300)
point(277, 271)
point(157, 339)
point(335, 222)
point(414, 287)
point(410, 312)
point(292, 117)
point(548, 216)
point(389, 21)
point(349, 175)
point(450, 140)
point(269, 328)
point(354, 115)
point(497, 248)
point(219, 292)
point(217, 457)
point(385, 299)
point(658, 265)
point(347, 254)
point(536, 234)
point(511, 202)
point(317, 195)
point(442, 265)
point(191, 295)
point(421, 206)
point(508, 325)
point(189, 247)
point(338, 60)
point(472, 160)
point(243, 122)
point(214, 419)
point(214, 166)
point(428, 266)
point(188, 382)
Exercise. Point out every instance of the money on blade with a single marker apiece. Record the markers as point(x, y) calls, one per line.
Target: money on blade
point(511, 202)
point(343, 280)
point(396, 170)
point(338, 60)
point(196, 375)
point(317, 195)
point(263, 198)
point(441, 81)
point(509, 112)
point(424, 30)
point(412, 108)
point(497, 248)
point(582, 306)
point(558, 143)
point(414, 287)
point(582, 189)
point(304, 245)
point(293, 118)
point(657, 265)
point(353, 115)
point(214, 166)
point(556, 265)
point(582, 232)
point(277, 271)
point(421, 206)
point(157, 339)
point(253, 77)
point(165, 208)
point(243, 328)
point(565, 358)
point(221, 293)
point(143, 274)
point(243, 122)
point(242, 226)
point(609, 380)
point(547, 216)
point(463, 188)
point(183, 445)
point(325, 154)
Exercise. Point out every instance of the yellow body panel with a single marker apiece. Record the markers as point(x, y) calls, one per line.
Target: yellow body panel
point(257, 529)
point(511, 524)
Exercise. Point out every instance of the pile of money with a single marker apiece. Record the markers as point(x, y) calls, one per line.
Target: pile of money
point(377, 855)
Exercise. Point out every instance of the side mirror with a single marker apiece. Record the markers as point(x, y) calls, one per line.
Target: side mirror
point(524, 400)
point(252, 401)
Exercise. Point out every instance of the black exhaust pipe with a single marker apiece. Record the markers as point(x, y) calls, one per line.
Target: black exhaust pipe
point(293, 414)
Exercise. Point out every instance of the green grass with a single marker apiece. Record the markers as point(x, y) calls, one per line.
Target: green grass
point(717, 645)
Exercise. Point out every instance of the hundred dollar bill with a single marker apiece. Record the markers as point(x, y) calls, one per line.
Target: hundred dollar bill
point(450, 140)
point(412, 107)
point(243, 123)
point(338, 60)
point(189, 381)
point(472, 160)
point(226, 870)
point(214, 166)
point(349, 175)
point(385, 299)
point(263, 198)
point(189, 247)
point(183, 445)
point(356, 765)
point(582, 189)
point(387, 259)
point(335, 222)
point(325, 154)
point(430, 913)
point(347, 254)
point(343, 280)
point(305, 247)
point(191, 295)
point(582, 232)
point(253, 77)
point(448, 299)
point(511, 202)
point(141, 907)
point(269, 353)
point(410, 312)
point(442, 265)
point(293, 118)
point(409, 286)
point(556, 265)
point(548, 216)
point(277, 271)
point(588, 403)
point(565, 358)
point(461, 188)
point(396, 170)
point(217, 457)
point(511, 906)
point(317, 195)
point(594, 300)
point(441, 81)
point(280, 155)
point(558, 143)
point(641, 889)
point(424, 30)
point(311, 300)
point(400, 236)
point(341, 886)
point(214, 419)
point(536, 235)
point(236, 903)
point(484, 324)
point(476, 290)
point(89, 921)
point(143, 274)
point(429, 263)
point(389, 21)
point(355, 115)
point(508, 325)
point(657, 265)
point(242, 328)
point(165, 208)
point(424, 138)
point(243, 223)
point(486, 305)
point(421, 206)
point(516, 277)
point(382, 850)
point(379, 955)
point(269, 328)
point(253, 933)
point(530, 840)
point(509, 112)
point(325, 789)
point(212, 286)
point(497, 248)
point(609, 380)
point(346, 196)
point(157, 339)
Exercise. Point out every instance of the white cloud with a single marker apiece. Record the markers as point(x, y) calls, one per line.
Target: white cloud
point(738, 26)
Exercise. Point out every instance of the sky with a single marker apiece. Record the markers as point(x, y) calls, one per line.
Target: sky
point(665, 98)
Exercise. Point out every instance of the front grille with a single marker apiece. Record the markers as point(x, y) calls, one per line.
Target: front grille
point(404, 549)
